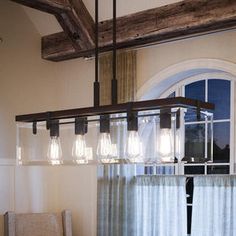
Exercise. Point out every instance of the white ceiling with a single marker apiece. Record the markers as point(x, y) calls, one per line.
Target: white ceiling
point(47, 24)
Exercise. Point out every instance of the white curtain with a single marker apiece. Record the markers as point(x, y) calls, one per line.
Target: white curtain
point(138, 205)
point(116, 200)
point(161, 206)
point(214, 206)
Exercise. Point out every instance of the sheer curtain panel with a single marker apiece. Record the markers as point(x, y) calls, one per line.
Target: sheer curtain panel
point(161, 206)
point(214, 206)
point(116, 200)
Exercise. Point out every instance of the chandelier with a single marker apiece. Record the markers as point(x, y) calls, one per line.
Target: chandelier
point(108, 134)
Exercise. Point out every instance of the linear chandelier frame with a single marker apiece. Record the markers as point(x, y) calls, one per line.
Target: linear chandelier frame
point(166, 144)
point(128, 107)
point(117, 108)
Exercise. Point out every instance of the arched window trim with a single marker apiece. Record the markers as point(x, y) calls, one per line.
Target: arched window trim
point(178, 88)
point(175, 73)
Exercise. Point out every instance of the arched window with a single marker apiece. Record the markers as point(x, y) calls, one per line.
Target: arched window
point(217, 88)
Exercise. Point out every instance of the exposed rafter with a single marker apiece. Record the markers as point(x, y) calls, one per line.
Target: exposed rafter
point(72, 15)
point(179, 20)
point(171, 22)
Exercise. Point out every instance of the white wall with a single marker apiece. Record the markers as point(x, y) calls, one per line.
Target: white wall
point(153, 60)
point(29, 84)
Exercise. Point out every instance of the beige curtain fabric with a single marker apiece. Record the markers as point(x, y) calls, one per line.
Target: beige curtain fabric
point(126, 76)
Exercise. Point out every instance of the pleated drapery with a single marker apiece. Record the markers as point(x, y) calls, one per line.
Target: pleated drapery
point(126, 76)
point(116, 200)
point(214, 206)
point(161, 206)
point(131, 205)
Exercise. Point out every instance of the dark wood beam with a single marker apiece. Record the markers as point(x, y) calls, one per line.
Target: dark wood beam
point(170, 22)
point(72, 15)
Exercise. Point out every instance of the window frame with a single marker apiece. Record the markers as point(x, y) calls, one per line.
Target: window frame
point(179, 89)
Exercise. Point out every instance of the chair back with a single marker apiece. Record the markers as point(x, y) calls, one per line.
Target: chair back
point(38, 224)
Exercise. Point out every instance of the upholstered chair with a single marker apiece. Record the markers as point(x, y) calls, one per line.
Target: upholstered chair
point(38, 224)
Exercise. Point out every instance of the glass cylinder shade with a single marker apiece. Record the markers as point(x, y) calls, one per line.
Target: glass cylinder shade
point(41, 149)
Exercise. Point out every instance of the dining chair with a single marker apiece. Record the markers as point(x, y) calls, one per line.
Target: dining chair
point(38, 224)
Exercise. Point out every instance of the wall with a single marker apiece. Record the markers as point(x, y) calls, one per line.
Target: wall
point(153, 60)
point(30, 84)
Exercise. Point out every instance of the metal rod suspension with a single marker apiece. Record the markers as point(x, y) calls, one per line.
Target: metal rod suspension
point(114, 93)
point(96, 83)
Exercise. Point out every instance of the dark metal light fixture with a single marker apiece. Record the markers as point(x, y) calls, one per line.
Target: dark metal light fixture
point(104, 114)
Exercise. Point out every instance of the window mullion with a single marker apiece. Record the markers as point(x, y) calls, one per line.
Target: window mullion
point(232, 128)
point(206, 123)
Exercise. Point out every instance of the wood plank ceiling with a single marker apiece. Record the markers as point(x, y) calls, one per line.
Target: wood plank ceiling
point(171, 22)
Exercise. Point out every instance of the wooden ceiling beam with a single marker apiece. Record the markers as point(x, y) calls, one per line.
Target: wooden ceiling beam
point(73, 17)
point(167, 23)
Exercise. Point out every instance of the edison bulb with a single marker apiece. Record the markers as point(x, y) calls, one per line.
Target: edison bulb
point(79, 149)
point(104, 148)
point(166, 146)
point(134, 147)
point(54, 153)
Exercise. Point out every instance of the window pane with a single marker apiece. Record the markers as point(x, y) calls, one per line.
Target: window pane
point(221, 137)
point(194, 170)
point(195, 140)
point(219, 94)
point(196, 90)
point(165, 170)
point(172, 95)
point(214, 170)
point(149, 170)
